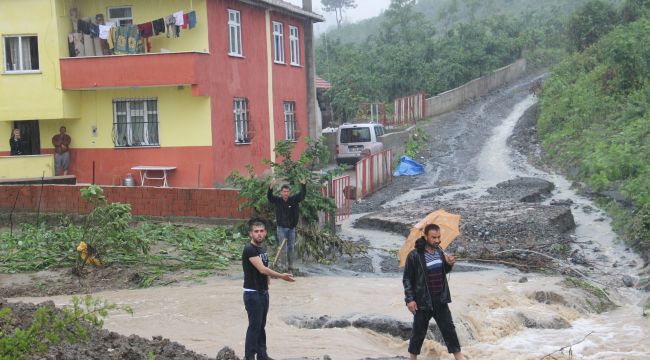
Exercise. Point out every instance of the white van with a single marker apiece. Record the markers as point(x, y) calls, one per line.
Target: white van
point(354, 141)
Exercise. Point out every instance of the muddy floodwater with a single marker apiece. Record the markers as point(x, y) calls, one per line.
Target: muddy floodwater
point(486, 308)
point(498, 314)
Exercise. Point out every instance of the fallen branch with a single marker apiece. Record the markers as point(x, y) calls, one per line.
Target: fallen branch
point(585, 277)
point(509, 263)
point(560, 350)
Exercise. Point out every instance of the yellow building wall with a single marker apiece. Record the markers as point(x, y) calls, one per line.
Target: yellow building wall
point(35, 96)
point(143, 11)
point(5, 134)
point(29, 166)
point(184, 120)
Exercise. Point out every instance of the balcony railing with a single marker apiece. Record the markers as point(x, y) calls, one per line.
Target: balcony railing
point(139, 70)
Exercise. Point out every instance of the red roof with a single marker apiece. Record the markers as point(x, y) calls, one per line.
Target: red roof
point(322, 84)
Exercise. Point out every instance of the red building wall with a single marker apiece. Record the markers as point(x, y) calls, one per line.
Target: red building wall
point(247, 77)
point(290, 84)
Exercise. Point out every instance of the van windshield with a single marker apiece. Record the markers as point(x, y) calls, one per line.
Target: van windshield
point(354, 135)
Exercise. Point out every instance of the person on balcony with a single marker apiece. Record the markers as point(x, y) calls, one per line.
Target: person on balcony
point(18, 145)
point(61, 142)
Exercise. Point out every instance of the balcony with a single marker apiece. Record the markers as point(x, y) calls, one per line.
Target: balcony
point(139, 70)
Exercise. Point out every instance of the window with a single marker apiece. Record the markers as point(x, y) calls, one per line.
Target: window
point(234, 33)
point(294, 45)
point(379, 131)
point(352, 135)
point(290, 120)
point(21, 53)
point(278, 42)
point(135, 122)
point(240, 110)
point(121, 16)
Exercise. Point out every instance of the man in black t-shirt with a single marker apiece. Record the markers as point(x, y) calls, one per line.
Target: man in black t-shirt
point(257, 276)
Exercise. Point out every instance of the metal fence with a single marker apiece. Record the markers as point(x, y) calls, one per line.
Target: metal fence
point(373, 173)
point(407, 110)
point(341, 194)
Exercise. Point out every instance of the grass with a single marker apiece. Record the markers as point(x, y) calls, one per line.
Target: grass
point(603, 303)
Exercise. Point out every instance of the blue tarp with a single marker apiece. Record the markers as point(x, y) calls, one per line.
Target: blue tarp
point(408, 167)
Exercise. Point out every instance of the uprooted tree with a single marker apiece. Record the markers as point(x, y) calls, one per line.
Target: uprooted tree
point(106, 231)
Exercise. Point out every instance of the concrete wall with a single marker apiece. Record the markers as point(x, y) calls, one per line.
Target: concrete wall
point(26, 166)
point(451, 99)
point(396, 140)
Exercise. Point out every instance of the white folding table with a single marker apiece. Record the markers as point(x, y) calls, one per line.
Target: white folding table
point(145, 169)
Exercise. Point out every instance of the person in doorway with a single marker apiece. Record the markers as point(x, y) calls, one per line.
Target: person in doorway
point(287, 210)
point(17, 144)
point(426, 292)
point(257, 275)
point(61, 142)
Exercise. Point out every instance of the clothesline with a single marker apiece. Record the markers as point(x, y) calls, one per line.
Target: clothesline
point(128, 39)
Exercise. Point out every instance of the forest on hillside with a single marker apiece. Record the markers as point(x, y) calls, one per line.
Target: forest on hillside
point(411, 52)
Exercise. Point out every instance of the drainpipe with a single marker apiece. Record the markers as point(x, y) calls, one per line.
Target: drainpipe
point(269, 71)
point(314, 127)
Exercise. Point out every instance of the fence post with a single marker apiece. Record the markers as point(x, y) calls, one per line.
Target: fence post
point(332, 213)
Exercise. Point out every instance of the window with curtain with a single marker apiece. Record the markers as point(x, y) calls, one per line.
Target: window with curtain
point(294, 45)
point(234, 33)
point(241, 116)
point(278, 42)
point(290, 120)
point(21, 53)
point(135, 122)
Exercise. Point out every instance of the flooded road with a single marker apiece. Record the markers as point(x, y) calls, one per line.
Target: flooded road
point(497, 315)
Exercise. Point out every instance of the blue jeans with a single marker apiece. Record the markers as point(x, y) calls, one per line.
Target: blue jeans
point(257, 307)
point(289, 234)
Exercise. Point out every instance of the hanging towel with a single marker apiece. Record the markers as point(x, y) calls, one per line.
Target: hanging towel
point(191, 18)
point(158, 26)
point(186, 20)
point(78, 44)
point(170, 22)
point(89, 46)
point(178, 16)
point(84, 27)
point(93, 29)
point(146, 30)
point(134, 40)
point(97, 43)
point(121, 38)
point(71, 50)
point(111, 38)
point(104, 30)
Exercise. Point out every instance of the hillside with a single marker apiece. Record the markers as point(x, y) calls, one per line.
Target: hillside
point(595, 125)
point(445, 13)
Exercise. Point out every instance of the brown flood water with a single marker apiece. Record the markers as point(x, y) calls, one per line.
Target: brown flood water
point(485, 306)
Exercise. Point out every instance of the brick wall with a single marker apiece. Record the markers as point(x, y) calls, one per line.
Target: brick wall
point(152, 201)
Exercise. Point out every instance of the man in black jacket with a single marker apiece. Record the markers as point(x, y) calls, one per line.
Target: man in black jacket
point(287, 210)
point(426, 291)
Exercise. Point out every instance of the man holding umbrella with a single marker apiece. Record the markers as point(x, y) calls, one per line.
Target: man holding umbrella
point(427, 293)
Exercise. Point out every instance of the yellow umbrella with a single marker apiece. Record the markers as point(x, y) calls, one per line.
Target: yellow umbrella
point(449, 230)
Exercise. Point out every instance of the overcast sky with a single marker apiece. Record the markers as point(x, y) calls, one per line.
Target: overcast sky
point(365, 9)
